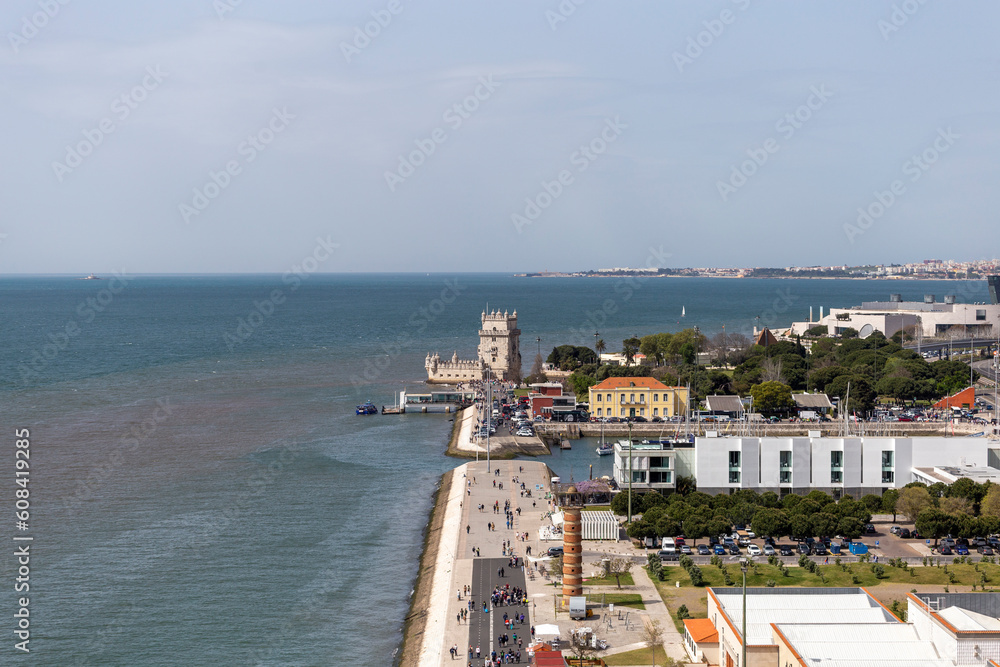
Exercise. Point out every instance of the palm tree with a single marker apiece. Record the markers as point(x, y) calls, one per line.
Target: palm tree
point(599, 347)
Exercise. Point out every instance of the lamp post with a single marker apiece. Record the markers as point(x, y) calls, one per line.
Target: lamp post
point(596, 334)
point(744, 564)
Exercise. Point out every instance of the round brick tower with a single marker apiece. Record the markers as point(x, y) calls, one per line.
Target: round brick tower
point(572, 545)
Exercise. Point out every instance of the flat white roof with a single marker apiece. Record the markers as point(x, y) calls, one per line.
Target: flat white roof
point(861, 645)
point(817, 605)
point(963, 619)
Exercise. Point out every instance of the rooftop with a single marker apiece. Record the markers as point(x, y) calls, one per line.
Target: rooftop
point(860, 645)
point(804, 605)
point(701, 630)
point(625, 383)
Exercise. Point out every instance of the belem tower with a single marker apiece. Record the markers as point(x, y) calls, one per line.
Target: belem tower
point(499, 351)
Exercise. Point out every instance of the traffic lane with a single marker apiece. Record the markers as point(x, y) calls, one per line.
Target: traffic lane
point(486, 627)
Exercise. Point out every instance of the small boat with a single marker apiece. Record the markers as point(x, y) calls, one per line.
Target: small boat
point(683, 312)
point(366, 408)
point(605, 449)
point(92, 277)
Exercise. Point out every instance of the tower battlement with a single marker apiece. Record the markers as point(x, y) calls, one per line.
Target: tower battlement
point(499, 351)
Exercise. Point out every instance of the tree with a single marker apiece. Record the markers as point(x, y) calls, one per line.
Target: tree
point(616, 567)
point(771, 397)
point(914, 500)
point(990, 505)
point(771, 371)
point(889, 500)
point(800, 526)
point(629, 348)
point(600, 346)
point(686, 484)
point(932, 522)
point(537, 374)
point(955, 506)
point(771, 522)
point(850, 527)
point(871, 502)
point(824, 524)
point(652, 635)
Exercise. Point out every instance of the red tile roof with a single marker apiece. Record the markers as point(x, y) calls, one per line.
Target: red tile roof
point(625, 383)
point(701, 630)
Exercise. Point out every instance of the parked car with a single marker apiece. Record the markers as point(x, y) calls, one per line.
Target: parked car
point(962, 550)
point(686, 550)
point(904, 533)
point(986, 551)
point(555, 552)
point(734, 550)
point(945, 550)
point(785, 550)
point(803, 548)
point(895, 530)
point(753, 550)
point(870, 528)
point(703, 550)
point(819, 550)
point(719, 550)
point(769, 550)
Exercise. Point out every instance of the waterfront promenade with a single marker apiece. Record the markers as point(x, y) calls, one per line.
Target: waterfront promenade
point(467, 553)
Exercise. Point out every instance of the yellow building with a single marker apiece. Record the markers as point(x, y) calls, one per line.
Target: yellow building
point(636, 397)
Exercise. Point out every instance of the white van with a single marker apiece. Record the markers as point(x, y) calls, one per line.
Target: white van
point(667, 544)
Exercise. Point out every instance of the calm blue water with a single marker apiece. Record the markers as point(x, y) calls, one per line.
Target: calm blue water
point(202, 492)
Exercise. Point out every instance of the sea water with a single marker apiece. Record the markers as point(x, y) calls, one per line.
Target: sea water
point(201, 489)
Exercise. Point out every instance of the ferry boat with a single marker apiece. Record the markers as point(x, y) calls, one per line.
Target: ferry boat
point(366, 408)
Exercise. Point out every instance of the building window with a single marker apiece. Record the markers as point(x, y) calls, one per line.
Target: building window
point(609, 398)
point(785, 477)
point(639, 476)
point(631, 398)
point(837, 460)
point(980, 315)
point(734, 476)
point(623, 399)
point(598, 412)
point(888, 460)
point(887, 477)
point(642, 398)
point(598, 399)
point(656, 412)
point(656, 398)
point(623, 412)
point(642, 412)
point(785, 459)
point(661, 477)
point(734, 460)
point(836, 477)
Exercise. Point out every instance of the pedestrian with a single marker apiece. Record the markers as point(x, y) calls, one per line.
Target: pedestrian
point(467, 528)
point(478, 654)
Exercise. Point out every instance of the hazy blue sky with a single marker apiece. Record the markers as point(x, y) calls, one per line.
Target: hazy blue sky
point(669, 98)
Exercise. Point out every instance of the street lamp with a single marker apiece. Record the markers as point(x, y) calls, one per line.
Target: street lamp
point(744, 565)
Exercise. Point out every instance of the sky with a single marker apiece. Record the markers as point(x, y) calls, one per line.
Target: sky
point(245, 136)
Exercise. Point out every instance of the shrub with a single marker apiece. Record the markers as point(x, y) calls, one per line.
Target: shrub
point(697, 578)
point(770, 583)
point(804, 561)
point(682, 612)
point(685, 561)
point(856, 580)
point(716, 561)
point(879, 570)
point(773, 561)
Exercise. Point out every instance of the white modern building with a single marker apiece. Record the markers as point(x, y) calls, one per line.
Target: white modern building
point(838, 466)
point(932, 318)
point(651, 468)
point(848, 627)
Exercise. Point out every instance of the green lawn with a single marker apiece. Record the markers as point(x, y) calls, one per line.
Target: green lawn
point(639, 656)
point(597, 508)
point(626, 580)
point(633, 600)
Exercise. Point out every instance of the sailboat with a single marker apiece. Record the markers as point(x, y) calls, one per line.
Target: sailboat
point(605, 448)
point(683, 312)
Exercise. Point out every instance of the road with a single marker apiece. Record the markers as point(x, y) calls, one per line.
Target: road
point(485, 628)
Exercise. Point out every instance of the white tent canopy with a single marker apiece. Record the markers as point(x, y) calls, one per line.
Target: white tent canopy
point(547, 629)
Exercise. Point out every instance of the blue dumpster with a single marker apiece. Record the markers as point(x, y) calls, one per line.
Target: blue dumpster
point(858, 548)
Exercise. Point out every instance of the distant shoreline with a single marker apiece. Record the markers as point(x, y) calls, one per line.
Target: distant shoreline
point(647, 275)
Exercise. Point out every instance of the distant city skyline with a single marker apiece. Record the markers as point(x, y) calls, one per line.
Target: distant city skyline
point(220, 136)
